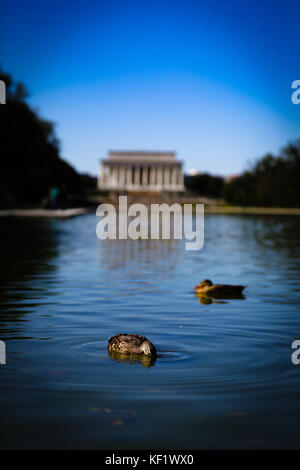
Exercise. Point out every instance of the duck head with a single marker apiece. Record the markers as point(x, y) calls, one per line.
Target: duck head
point(204, 283)
point(147, 348)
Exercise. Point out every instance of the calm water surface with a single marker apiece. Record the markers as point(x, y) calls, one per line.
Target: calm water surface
point(223, 377)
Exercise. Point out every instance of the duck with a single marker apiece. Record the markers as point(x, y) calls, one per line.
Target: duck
point(131, 344)
point(219, 291)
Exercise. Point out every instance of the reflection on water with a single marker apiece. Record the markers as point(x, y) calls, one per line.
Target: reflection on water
point(205, 299)
point(145, 361)
point(162, 255)
point(223, 376)
point(27, 250)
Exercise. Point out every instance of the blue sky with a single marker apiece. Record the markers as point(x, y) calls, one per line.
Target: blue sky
point(210, 80)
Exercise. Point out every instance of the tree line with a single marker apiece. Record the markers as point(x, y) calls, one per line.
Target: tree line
point(30, 154)
point(204, 184)
point(271, 181)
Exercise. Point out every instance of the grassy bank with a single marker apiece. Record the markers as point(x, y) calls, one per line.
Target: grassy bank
point(212, 209)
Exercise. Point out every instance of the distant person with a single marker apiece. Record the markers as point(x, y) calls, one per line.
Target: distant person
point(53, 197)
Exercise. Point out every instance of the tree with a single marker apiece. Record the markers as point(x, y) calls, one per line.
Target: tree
point(30, 161)
point(271, 181)
point(204, 184)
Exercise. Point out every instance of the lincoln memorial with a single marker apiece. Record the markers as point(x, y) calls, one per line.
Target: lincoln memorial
point(141, 171)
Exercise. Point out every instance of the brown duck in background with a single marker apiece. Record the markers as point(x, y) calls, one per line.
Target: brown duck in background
point(219, 291)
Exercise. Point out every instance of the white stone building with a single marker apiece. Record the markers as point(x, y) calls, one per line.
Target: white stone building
point(141, 171)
